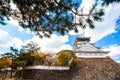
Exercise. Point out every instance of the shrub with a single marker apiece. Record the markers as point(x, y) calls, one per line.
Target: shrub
point(9, 79)
point(65, 58)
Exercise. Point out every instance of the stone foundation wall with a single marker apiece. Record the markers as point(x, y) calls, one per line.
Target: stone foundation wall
point(83, 69)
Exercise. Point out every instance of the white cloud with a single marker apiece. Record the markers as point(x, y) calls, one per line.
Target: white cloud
point(13, 21)
point(104, 28)
point(107, 26)
point(6, 40)
point(86, 5)
point(16, 42)
point(114, 52)
point(53, 44)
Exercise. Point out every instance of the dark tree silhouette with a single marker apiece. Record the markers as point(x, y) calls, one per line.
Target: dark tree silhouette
point(46, 16)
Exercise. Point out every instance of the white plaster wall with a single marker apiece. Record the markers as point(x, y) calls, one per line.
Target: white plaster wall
point(48, 67)
point(91, 55)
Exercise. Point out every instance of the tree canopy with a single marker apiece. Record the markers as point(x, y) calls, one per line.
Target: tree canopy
point(65, 58)
point(26, 52)
point(46, 16)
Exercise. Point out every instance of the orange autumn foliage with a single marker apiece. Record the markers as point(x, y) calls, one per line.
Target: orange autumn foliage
point(5, 62)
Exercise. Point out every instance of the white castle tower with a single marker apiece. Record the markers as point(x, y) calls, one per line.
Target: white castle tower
point(83, 48)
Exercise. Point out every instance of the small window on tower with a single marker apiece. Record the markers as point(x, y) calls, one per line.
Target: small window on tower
point(84, 43)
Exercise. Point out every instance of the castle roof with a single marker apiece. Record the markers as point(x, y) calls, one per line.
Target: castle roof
point(83, 48)
point(82, 39)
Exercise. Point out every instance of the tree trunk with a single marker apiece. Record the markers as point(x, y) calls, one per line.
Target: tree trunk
point(5, 74)
point(11, 72)
point(22, 72)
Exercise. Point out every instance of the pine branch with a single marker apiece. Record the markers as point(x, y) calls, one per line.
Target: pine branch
point(71, 9)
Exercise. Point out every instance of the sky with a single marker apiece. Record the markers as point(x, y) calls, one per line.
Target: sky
point(106, 34)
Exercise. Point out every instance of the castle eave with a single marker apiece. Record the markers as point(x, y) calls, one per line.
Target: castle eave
point(104, 52)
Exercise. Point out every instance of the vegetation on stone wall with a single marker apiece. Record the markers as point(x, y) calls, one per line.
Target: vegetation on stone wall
point(65, 58)
point(30, 55)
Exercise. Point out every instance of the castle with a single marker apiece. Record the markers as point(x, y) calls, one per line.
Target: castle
point(91, 64)
point(83, 48)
